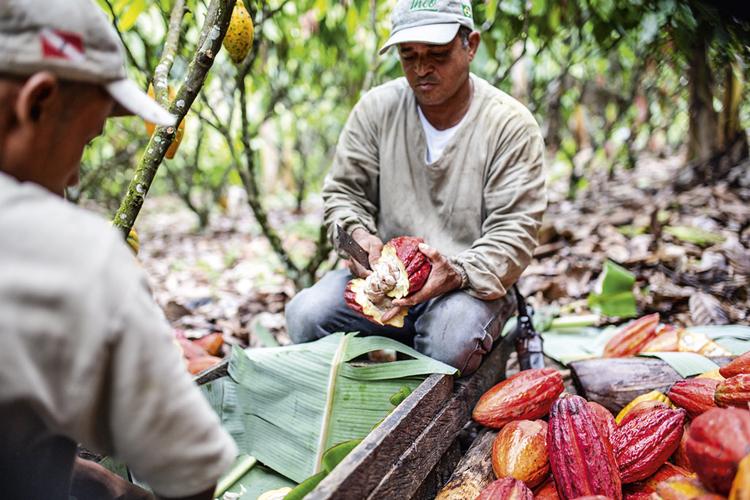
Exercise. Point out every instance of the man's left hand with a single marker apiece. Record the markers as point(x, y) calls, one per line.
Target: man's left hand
point(443, 278)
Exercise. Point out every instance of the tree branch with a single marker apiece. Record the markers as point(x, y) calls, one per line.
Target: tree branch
point(161, 74)
point(163, 136)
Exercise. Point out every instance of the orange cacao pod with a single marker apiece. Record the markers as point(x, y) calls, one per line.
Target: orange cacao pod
point(520, 451)
point(506, 488)
point(740, 364)
point(718, 440)
point(604, 419)
point(189, 348)
point(695, 395)
point(632, 337)
point(582, 461)
point(197, 365)
point(666, 340)
point(644, 443)
point(211, 343)
point(644, 407)
point(679, 457)
point(681, 488)
point(734, 391)
point(527, 395)
point(741, 484)
point(547, 490)
point(401, 270)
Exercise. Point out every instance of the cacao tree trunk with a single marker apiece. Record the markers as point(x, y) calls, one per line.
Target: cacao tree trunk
point(703, 140)
point(730, 128)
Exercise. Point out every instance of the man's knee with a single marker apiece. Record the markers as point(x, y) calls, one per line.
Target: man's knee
point(312, 312)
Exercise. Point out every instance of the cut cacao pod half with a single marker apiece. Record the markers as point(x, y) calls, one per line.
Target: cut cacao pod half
point(401, 270)
point(520, 451)
point(740, 364)
point(632, 337)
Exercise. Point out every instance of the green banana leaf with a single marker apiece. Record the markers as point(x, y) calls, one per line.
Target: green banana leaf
point(616, 297)
point(287, 405)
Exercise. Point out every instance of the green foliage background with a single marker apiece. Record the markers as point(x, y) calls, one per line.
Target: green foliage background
point(611, 75)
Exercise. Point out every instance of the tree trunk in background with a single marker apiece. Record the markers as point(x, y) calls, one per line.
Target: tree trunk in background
point(703, 140)
point(730, 128)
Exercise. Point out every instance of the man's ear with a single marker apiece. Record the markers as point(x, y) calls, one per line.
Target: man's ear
point(35, 97)
point(474, 40)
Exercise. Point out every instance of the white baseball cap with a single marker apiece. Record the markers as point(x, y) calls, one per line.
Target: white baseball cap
point(428, 21)
point(74, 40)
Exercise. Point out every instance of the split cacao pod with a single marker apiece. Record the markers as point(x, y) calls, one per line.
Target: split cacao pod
point(740, 364)
point(632, 337)
point(734, 391)
point(681, 488)
point(718, 440)
point(506, 488)
point(666, 340)
point(741, 484)
point(649, 396)
point(401, 270)
point(605, 421)
point(520, 451)
point(645, 442)
point(527, 395)
point(582, 461)
point(694, 395)
point(644, 407)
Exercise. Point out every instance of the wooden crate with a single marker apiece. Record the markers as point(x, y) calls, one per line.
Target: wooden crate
point(415, 450)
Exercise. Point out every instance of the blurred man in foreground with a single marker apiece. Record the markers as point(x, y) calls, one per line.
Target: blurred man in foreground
point(443, 155)
point(85, 355)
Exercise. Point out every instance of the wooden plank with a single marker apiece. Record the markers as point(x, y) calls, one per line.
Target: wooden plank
point(405, 478)
point(474, 472)
point(372, 459)
point(614, 382)
point(440, 473)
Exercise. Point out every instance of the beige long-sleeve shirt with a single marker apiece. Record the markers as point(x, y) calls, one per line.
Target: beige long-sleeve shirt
point(480, 203)
point(86, 356)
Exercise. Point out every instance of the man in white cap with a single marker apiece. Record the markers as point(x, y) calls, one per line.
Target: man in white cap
point(85, 355)
point(443, 155)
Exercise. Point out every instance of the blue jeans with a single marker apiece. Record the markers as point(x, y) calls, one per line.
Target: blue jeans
point(454, 328)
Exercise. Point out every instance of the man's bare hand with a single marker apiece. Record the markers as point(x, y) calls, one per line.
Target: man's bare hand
point(372, 245)
point(443, 278)
point(91, 481)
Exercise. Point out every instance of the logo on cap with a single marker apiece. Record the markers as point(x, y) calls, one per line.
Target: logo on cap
point(467, 11)
point(417, 5)
point(62, 45)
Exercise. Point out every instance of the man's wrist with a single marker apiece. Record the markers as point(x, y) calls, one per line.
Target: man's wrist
point(463, 278)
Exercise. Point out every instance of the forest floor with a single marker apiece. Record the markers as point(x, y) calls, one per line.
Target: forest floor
point(679, 245)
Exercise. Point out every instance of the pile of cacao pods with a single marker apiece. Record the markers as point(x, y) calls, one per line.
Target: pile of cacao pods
point(201, 353)
point(646, 334)
point(693, 443)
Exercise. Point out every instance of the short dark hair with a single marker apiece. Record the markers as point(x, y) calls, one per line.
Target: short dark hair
point(464, 33)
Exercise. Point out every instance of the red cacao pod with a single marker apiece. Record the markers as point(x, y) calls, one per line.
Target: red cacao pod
point(594, 497)
point(636, 495)
point(645, 442)
point(520, 451)
point(740, 364)
point(582, 461)
point(604, 419)
point(695, 395)
point(734, 391)
point(718, 440)
point(681, 488)
point(197, 365)
point(547, 490)
point(632, 337)
point(648, 485)
point(401, 270)
point(527, 395)
point(211, 343)
point(679, 457)
point(506, 488)
point(644, 407)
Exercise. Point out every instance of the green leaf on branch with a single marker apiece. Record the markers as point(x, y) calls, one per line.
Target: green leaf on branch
point(616, 297)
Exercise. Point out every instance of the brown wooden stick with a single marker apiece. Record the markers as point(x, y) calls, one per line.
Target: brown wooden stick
point(474, 471)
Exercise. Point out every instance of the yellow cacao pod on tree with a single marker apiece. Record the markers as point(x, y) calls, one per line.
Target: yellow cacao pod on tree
point(150, 127)
point(240, 33)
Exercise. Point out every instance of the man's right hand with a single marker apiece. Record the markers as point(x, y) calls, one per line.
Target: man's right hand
point(372, 245)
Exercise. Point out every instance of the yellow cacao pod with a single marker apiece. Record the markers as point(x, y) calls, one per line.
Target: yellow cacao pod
point(240, 33)
point(649, 396)
point(150, 127)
